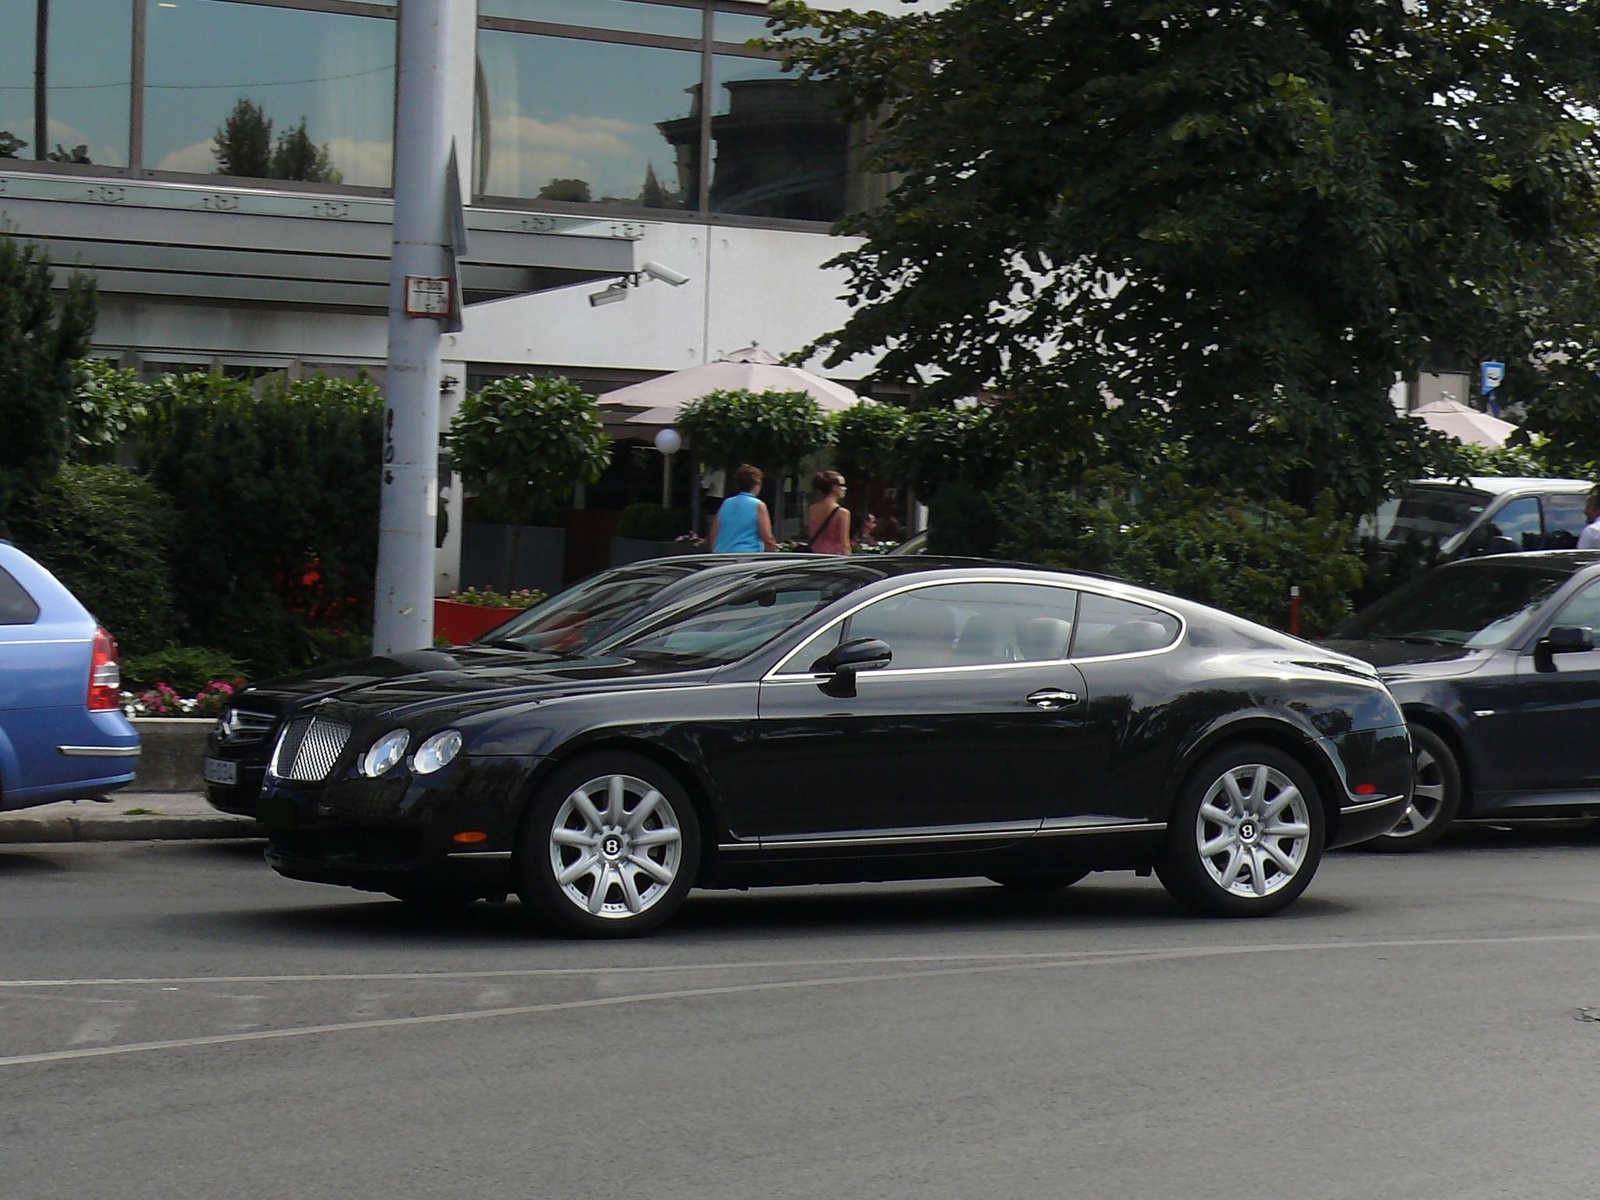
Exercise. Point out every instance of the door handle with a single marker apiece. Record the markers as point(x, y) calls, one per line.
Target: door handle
point(1050, 699)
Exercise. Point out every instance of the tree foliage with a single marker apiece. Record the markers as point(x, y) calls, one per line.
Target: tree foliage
point(771, 430)
point(106, 410)
point(41, 339)
point(864, 439)
point(522, 442)
point(277, 497)
point(1241, 219)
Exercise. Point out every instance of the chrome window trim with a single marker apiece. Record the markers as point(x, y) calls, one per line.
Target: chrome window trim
point(774, 675)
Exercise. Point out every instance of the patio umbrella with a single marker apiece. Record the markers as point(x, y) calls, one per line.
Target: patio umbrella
point(1464, 424)
point(752, 369)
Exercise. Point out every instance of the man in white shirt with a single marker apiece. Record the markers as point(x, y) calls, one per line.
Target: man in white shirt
point(1589, 539)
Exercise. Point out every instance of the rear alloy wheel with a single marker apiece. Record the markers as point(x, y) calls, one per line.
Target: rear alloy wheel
point(1435, 796)
point(1246, 834)
point(611, 848)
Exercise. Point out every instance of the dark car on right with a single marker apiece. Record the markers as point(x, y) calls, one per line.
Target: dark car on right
point(1494, 663)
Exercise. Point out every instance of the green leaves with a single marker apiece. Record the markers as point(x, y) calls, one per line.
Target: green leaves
point(1239, 220)
point(771, 430)
point(522, 442)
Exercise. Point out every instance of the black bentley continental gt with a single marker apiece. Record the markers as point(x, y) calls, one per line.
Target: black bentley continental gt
point(848, 719)
point(1493, 661)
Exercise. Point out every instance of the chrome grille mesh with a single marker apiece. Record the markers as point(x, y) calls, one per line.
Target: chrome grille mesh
point(309, 748)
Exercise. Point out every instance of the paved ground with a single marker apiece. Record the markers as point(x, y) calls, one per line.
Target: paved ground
point(177, 1021)
point(125, 816)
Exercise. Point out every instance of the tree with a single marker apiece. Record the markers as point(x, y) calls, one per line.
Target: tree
point(243, 146)
point(773, 430)
point(41, 339)
point(298, 157)
point(1243, 219)
point(864, 439)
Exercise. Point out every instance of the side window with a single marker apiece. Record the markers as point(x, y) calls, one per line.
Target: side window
point(819, 644)
point(971, 624)
point(16, 606)
point(1518, 521)
point(1110, 626)
point(1583, 610)
point(1563, 521)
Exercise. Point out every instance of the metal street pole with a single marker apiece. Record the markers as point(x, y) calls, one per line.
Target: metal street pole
point(421, 260)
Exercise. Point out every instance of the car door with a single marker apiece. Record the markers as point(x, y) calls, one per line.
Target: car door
point(33, 658)
point(971, 732)
point(1557, 707)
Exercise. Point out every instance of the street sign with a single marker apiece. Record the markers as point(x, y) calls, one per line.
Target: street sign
point(427, 296)
point(1494, 374)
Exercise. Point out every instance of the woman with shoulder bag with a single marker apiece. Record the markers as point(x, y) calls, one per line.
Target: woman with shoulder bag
point(828, 523)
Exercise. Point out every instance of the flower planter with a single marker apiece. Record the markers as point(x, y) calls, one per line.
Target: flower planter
point(170, 750)
point(457, 623)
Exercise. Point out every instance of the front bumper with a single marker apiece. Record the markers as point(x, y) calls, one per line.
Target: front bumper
point(1376, 774)
point(400, 831)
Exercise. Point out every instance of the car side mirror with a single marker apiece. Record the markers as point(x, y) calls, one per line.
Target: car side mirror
point(1561, 639)
point(858, 654)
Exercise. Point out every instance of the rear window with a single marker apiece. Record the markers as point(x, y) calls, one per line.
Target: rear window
point(16, 606)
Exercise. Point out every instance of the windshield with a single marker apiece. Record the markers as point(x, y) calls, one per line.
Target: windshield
point(572, 621)
point(734, 618)
point(1425, 514)
point(1481, 605)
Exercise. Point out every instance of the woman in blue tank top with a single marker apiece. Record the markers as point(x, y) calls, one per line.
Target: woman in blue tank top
point(743, 525)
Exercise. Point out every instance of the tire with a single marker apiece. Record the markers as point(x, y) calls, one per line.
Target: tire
point(1435, 800)
point(1041, 883)
point(1221, 858)
point(591, 863)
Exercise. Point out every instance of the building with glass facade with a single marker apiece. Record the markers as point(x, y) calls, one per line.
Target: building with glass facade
point(223, 168)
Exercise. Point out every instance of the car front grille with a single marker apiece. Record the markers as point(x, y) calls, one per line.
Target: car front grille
point(308, 749)
point(239, 726)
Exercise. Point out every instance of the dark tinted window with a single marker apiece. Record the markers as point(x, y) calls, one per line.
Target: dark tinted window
point(1517, 523)
point(971, 624)
point(1583, 610)
point(1563, 521)
point(1428, 514)
point(1482, 605)
point(1109, 626)
point(16, 606)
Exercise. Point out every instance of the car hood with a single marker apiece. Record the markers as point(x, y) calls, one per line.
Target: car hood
point(1408, 660)
point(420, 676)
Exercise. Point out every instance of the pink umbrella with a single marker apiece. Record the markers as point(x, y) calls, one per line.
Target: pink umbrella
point(752, 369)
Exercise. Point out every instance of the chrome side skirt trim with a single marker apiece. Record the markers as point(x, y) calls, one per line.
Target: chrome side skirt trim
point(501, 854)
point(99, 751)
point(1063, 826)
point(1059, 827)
point(1366, 804)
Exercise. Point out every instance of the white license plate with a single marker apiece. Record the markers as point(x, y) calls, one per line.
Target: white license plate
point(220, 770)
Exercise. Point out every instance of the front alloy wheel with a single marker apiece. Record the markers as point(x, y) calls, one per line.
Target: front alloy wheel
point(611, 848)
point(1246, 834)
point(1435, 796)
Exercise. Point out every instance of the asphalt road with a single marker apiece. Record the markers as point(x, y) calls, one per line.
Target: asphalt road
point(176, 1021)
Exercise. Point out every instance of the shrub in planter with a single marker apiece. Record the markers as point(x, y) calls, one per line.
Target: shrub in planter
point(652, 522)
point(106, 533)
point(187, 669)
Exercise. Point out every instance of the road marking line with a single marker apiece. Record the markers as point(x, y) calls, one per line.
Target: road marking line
point(1031, 963)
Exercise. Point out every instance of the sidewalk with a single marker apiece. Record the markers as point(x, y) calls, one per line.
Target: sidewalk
point(126, 817)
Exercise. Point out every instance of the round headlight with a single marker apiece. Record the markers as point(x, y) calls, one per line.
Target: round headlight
point(436, 752)
point(385, 752)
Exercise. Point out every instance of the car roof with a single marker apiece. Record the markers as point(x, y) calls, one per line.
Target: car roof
point(1499, 485)
point(1570, 561)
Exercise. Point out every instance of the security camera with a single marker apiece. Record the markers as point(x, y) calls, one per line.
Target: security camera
point(611, 294)
point(664, 274)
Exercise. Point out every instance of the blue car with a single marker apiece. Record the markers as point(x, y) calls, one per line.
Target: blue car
point(62, 732)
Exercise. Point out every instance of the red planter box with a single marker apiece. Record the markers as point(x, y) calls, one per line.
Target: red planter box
point(457, 623)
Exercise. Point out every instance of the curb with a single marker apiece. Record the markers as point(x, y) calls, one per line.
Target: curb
point(21, 829)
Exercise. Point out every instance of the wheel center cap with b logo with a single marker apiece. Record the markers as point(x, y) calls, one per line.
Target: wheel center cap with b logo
point(1248, 831)
point(612, 845)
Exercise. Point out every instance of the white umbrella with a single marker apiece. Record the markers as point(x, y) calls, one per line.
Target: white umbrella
point(751, 369)
point(1464, 424)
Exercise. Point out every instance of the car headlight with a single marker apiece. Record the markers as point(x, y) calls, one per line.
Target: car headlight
point(438, 751)
point(385, 753)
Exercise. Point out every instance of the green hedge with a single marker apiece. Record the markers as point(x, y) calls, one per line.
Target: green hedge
point(652, 522)
point(106, 533)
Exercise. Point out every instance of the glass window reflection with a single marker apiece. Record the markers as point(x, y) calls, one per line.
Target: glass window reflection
point(779, 147)
point(557, 130)
point(630, 16)
point(739, 27)
point(312, 100)
point(88, 82)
